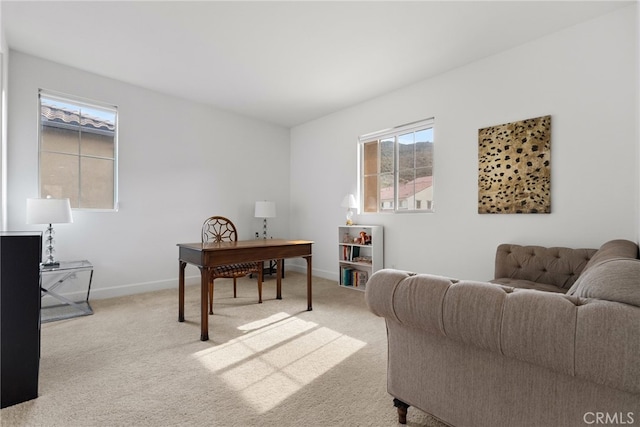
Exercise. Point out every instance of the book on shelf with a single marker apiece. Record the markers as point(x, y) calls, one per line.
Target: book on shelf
point(355, 252)
point(347, 276)
point(350, 252)
point(362, 278)
point(354, 277)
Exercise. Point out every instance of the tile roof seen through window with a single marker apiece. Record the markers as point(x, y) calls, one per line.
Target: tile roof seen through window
point(408, 189)
point(54, 114)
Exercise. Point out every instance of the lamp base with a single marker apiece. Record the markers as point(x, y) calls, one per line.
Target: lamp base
point(50, 262)
point(349, 217)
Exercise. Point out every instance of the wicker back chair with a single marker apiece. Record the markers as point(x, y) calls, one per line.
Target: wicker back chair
point(220, 229)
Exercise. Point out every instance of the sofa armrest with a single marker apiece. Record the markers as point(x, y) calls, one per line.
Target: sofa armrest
point(588, 338)
point(419, 306)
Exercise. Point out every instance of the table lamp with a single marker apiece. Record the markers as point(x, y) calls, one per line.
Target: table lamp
point(49, 211)
point(349, 202)
point(265, 210)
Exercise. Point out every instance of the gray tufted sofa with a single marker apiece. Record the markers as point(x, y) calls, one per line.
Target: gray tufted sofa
point(552, 340)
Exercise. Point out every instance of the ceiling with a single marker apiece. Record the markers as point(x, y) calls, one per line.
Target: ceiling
point(282, 62)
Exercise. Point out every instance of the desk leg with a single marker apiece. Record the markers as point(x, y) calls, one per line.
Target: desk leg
point(279, 279)
point(181, 291)
point(204, 294)
point(309, 307)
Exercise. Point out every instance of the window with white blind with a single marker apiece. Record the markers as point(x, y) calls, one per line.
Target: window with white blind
point(78, 154)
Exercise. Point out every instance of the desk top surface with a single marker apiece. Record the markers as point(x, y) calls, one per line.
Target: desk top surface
point(243, 244)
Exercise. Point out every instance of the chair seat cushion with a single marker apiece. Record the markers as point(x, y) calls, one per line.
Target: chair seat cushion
point(235, 270)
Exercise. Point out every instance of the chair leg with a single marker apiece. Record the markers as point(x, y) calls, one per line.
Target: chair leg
point(211, 297)
point(234, 287)
point(260, 276)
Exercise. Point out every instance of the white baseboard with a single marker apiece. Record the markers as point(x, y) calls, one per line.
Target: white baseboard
point(329, 275)
point(138, 288)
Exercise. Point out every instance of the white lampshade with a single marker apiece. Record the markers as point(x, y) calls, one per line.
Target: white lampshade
point(48, 211)
point(349, 201)
point(265, 209)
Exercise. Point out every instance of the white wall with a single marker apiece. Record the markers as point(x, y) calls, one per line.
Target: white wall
point(585, 77)
point(4, 82)
point(180, 162)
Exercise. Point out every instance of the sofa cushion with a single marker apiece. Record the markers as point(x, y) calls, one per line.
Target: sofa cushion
point(527, 284)
point(613, 249)
point(616, 279)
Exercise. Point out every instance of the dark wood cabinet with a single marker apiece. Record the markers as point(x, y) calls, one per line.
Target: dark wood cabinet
point(20, 256)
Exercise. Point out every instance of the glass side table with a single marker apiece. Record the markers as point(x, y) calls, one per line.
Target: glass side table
point(76, 277)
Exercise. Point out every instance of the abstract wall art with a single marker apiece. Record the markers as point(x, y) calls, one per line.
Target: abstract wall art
point(514, 167)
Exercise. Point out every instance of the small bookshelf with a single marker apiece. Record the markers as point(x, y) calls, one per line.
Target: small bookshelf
point(360, 254)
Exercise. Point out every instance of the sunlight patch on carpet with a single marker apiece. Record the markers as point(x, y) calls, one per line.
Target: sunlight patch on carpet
point(279, 356)
point(278, 317)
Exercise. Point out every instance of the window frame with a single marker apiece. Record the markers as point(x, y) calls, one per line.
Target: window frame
point(378, 137)
point(92, 105)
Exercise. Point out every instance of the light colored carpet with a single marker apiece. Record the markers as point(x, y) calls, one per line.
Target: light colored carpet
point(271, 364)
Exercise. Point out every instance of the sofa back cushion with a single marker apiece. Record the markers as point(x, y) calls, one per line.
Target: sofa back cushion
point(614, 249)
point(616, 279)
point(555, 266)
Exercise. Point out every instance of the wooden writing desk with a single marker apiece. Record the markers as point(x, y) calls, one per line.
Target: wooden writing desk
point(207, 255)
